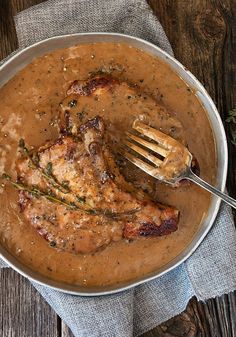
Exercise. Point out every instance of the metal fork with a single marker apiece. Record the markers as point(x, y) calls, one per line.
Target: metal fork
point(165, 158)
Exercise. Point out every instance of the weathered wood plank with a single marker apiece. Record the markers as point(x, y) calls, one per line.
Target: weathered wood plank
point(8, 8)
point(65, 331)
point(8, 41)
point(213, 318)
point(227, 9)
point(23, 312)
point(20, 5)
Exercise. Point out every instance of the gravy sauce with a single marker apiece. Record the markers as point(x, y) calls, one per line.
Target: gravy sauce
point(29, 109)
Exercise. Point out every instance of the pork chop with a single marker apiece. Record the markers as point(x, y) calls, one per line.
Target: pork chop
point(71, 190)
point(73, 194)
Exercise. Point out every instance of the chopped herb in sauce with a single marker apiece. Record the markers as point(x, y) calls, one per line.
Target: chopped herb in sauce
point(65, 183)
point(81, 199)
point(6, 177)
point(35, 158)
point(49, 168)
point(81, 115)
point(72, 103)
point(191, 114)
point(21, 143)
point(91, 211)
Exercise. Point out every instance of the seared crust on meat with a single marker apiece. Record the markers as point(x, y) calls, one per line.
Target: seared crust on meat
point(169, 222)
point(96, 86)
point(91, 86)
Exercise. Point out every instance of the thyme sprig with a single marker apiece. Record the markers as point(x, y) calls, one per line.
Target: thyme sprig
point(62, 187)
point(36, 192)
point(232, 120)
point(47, 172)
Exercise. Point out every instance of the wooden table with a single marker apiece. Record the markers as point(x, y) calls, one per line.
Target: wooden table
point(203, 36)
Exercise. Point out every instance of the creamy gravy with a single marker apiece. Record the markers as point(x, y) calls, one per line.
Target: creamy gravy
point(29, 109)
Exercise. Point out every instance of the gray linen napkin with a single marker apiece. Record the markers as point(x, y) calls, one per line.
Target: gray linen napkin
point(209, 272)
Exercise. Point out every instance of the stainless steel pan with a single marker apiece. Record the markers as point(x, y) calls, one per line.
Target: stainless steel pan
point(24, 57)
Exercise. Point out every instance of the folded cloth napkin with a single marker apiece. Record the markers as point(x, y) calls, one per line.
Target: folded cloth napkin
point(209, 272)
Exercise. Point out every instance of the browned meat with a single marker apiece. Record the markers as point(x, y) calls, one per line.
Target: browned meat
point(77, 203)
point(73, 194)
point(95, 85)
point(103, 95)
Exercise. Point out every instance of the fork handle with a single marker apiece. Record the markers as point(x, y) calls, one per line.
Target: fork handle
point(193, 177)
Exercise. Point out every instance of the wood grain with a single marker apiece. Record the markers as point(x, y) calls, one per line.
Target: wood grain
point(23, 312)
point(203, 36)
point(8, 39)
point(65, 331)
point(9, 8)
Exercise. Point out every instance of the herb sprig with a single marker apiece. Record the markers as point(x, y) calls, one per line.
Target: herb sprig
point(37, 192)
point(232, 120)
point(46, 173)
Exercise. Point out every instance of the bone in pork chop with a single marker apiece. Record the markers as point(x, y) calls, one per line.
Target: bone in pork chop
point(76, 197)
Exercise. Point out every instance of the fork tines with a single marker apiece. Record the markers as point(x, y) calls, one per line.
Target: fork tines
point(148, 148)
point(170, 157)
